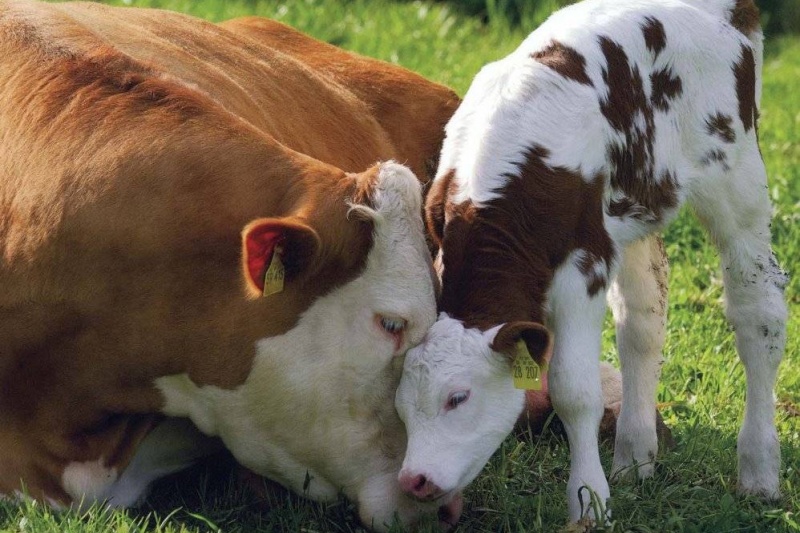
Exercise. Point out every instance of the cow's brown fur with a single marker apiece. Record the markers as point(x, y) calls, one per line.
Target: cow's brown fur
point(644, 193)
point(136, 145)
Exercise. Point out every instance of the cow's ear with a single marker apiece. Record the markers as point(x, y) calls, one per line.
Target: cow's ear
point(435, 207)
point(535, 336)
point(286, 247)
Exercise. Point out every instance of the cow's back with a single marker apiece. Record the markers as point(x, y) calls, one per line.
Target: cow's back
point(310, 96)
point(410, 109)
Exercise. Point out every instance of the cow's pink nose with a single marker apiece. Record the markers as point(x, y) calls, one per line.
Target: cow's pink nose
point(419, 486)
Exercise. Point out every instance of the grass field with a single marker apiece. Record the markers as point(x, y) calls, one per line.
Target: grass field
point(522, 489)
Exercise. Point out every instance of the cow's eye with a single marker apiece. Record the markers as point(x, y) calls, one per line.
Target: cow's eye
point(393, 325)
point(457, 398)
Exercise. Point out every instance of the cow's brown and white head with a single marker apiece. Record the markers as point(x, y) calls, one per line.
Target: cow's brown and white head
point(458, 402)
point(316, 412)
point(378, 253)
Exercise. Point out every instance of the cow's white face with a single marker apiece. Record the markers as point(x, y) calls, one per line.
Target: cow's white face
point(458, 402)
point(317, 410)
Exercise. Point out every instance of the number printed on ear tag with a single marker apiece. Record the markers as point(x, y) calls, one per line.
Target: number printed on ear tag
point(527, 374)
point(273, 277)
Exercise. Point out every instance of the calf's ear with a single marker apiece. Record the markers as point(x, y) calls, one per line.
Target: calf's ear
point(286, 247)
point(535, 336)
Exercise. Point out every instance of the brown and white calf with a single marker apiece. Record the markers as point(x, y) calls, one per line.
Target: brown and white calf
point(152, 167)
point(557, 170)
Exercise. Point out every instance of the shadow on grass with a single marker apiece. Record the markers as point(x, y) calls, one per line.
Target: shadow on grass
point(521, 489)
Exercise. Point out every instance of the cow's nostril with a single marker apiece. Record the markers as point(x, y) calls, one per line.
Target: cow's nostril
point(415, 485)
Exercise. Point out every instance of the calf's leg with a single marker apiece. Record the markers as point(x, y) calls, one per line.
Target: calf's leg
point(576, 319)
point(737, 215)
point(638, 299)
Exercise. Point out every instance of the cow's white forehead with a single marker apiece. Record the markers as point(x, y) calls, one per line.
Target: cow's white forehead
point(399, 274)
point(398, 192)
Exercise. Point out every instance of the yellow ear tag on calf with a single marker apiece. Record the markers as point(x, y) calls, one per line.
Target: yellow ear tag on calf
point(527, 374)
point(273, 277)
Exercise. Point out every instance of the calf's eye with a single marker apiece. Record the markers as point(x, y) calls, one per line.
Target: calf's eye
point(457, 398)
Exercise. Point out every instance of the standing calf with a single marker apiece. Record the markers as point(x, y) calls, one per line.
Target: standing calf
point(561, 165)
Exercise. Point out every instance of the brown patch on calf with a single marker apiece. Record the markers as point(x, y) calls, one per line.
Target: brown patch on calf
point(596, 279)
point(744, 17)
point(715, 156)
point(565, 60)
point(665, 87)
point(499, 259)
point(745, 73)
point(720, 125)
point(644, 194)
point(654, 35)
point(625, 88)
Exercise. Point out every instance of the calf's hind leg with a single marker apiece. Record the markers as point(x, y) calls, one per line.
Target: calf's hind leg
point(737, 215)
point(638, 299)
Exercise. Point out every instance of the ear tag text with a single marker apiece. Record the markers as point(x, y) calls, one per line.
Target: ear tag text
point(273, 277)
point(527, 374)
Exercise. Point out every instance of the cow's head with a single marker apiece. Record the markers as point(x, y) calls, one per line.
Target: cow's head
point(337, 368)
point(371, 259)
point(458, 401)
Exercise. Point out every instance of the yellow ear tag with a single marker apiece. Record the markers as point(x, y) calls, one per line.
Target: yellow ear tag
point(273, 278)
point(527, 374)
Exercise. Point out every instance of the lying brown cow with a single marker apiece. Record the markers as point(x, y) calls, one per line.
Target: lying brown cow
point(158, 174)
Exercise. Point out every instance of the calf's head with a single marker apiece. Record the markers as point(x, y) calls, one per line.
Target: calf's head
point(458, 401)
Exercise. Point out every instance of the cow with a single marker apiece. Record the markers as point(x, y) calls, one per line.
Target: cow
point(198, 243)
point(563, 162)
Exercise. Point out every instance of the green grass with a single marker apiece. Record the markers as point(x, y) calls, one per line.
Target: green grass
point(522, 489)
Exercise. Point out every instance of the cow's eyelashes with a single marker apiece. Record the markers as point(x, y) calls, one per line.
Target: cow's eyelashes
point(393, 325)
point(456, 398)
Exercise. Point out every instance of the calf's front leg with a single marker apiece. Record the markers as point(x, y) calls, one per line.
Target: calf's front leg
point(576, 319)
